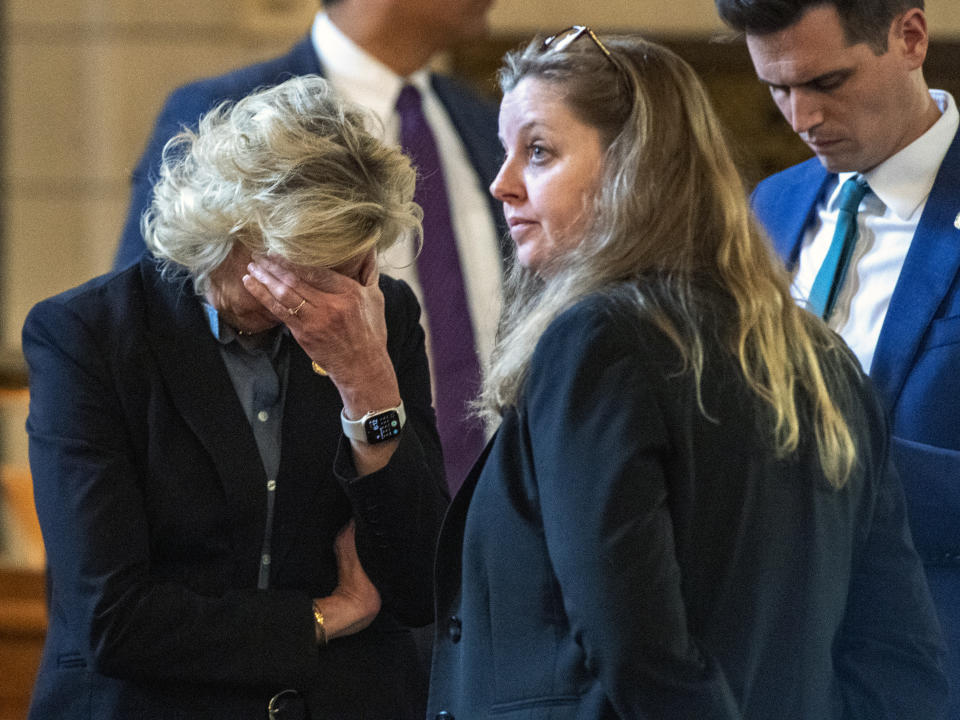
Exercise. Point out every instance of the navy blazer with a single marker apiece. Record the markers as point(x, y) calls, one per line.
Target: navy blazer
point(474, 119)
point(617, 554)
point(916, 366)
point(152, 500)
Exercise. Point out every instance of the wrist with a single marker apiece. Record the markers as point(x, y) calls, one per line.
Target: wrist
point(375, 387)
point(319, 623)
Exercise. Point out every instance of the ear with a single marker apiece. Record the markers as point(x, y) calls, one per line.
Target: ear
point(369, 273)
point(908, 33)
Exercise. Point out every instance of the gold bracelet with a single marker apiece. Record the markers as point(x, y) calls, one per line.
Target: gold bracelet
point(318, 618)
point(316, 368)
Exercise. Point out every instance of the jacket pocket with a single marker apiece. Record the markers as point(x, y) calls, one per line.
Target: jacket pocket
point(944, 331)
point(526, 704)
point(71, 661)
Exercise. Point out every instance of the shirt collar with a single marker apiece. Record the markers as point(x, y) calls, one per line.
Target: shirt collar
point(356, 74)
point(904, 180)
point(226, 334)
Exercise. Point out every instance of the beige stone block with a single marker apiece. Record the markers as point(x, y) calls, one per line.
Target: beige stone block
point(47, 108)
point(55, 240)
point(86, 111)
point(137, 78)
point(532, 16)
point(131, 13)
point(277, 18)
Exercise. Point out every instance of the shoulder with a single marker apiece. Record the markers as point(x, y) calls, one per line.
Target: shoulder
point(448, 88)
point(396, 291)
point(113, 308)
point(608, 323)
point(597, 348)
point(99, 295)
point(771, 189)
point(400, 304)
point(603, 361)
point(96, 322)
point(474, 116)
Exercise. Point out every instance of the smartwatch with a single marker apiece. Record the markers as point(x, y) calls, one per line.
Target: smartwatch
point(376, 426)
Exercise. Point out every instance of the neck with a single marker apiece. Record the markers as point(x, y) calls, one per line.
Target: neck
point(382, 36)
point(926, 112)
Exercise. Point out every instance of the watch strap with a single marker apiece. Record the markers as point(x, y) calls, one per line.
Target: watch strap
point(375, 426)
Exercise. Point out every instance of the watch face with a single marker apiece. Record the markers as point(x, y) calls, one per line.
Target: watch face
point(382, 427)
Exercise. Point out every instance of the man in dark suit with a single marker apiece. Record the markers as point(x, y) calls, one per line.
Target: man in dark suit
point(848, 77)
point(369, 51)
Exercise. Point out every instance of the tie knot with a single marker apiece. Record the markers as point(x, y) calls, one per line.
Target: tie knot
point(408, 101)
point(852, 193)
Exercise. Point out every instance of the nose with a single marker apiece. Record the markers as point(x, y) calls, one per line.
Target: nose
point(806, 110)
point(507, 186)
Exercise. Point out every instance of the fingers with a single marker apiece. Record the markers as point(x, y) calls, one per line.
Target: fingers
point(296, 277)
point(281, 300)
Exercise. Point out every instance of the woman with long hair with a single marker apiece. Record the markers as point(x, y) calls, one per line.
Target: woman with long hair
point(688, 510)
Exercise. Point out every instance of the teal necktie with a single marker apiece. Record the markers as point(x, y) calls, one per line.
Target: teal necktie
point(826, 287)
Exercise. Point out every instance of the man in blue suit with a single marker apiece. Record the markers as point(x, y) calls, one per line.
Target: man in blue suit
point(369, 51)
point(848, 78)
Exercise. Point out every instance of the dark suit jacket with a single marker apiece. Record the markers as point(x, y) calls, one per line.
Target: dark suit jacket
point(152, 500)
point(474, 119)
point(916, 367)
point(617, 554)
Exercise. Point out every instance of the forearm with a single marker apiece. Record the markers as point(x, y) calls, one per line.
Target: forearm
point(375, 390)
point(398, 511)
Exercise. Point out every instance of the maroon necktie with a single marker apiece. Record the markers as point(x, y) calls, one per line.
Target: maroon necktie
point(455, 369)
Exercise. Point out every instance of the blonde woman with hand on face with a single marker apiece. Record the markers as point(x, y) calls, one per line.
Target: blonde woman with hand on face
point(236, 464)
point(688, 509)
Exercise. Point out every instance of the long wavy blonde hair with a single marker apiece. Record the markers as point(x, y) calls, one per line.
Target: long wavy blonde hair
point(672, 216)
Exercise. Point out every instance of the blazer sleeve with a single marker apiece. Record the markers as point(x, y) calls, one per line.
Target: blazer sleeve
point(399, 508)
point(123, 617)
point(890, 652)
point(598, 440)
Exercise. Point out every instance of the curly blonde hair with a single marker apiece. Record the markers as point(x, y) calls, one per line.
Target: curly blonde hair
point(290, 170)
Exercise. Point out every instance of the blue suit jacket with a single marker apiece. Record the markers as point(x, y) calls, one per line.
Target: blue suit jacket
point(916, 367)
point(474, 119)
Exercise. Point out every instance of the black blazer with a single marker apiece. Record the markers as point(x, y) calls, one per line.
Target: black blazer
point(152, 500)
point(615, 553)
point(474, 118)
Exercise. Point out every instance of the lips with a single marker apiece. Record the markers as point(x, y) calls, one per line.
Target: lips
point(519, 227)
point(820, 144)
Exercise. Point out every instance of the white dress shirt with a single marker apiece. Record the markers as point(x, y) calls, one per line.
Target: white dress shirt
point(886, 223)
point(364, 81)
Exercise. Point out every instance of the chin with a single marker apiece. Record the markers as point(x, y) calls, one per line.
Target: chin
point(525, 258)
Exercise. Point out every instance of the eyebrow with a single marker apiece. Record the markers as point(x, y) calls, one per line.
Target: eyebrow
point(840, 74)
point(525, 128)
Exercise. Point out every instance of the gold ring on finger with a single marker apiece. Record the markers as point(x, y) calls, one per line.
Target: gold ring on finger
point(298, 308)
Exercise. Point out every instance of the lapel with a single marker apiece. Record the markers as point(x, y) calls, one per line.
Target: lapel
point(189, 361)
point(785, 206)
point(449, 556)
point(930, 268)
